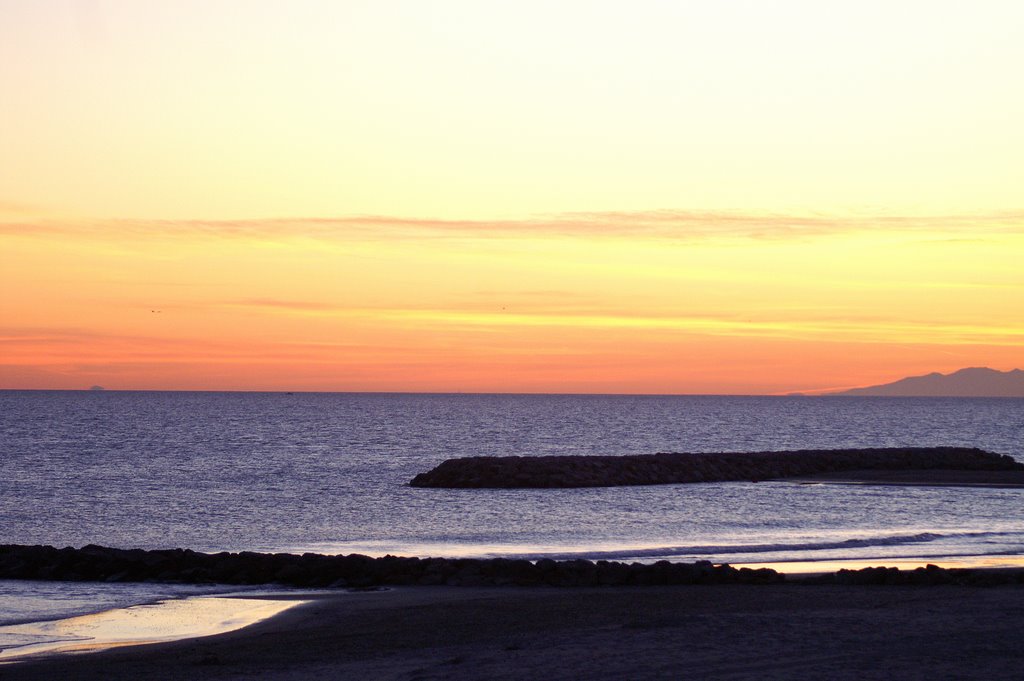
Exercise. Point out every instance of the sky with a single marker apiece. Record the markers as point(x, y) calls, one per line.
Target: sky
point(644, 197)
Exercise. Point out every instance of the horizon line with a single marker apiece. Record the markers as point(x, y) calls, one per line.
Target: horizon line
point(809, 394)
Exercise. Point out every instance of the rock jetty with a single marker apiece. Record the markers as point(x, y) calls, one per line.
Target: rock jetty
point(99, 563)
point(667, 468)
point(312, 570)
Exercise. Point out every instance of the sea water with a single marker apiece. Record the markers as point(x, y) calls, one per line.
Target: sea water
point(329, 472)
point(68, 617)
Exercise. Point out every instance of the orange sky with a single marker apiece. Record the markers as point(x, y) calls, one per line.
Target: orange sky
point(664, 198)
point(666, 302)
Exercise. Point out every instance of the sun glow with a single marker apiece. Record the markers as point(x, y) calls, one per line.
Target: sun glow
point(664, 197)
point(439, 307)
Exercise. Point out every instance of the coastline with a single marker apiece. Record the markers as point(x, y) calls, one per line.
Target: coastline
point(723, 631)
point(436, 629)
point(142, 624)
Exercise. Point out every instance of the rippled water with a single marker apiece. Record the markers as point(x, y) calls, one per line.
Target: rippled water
point(328, 472)
point(29, 601)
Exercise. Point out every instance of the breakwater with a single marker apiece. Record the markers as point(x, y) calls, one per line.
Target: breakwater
point(312, 570)
point(99, 563)
point(667, 468)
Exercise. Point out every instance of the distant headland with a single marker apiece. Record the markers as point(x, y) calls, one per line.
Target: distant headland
point(971, 382)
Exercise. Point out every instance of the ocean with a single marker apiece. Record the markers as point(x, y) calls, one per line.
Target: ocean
point(328, 472)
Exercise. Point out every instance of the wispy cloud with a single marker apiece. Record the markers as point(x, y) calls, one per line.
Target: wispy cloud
point(660, 224)
point(274, 303)
point(17, 208)
point(806, 325)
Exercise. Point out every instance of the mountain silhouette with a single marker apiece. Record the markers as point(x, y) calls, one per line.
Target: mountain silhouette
point(972, 382)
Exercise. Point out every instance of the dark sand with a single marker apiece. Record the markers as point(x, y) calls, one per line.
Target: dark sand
point(702, 632)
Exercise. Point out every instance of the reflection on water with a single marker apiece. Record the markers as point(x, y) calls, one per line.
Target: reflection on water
point(329, 472)
point(270, 472)
point(825, 566)
point(153, 623)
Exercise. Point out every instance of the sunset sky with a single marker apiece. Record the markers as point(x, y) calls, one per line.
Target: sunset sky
point(573, 196)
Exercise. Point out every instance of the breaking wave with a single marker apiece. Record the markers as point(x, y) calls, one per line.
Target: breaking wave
point(720, 550)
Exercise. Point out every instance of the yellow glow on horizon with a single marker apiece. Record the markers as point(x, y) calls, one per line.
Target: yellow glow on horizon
point(465, 307)
point(467, 195)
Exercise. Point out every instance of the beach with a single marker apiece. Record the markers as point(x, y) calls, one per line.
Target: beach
point(583, 583)
point(711, 632)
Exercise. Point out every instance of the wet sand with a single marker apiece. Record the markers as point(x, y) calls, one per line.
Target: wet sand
point(708, 632)
point(168, 620)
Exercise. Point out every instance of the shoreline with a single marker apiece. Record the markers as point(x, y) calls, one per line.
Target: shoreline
point(795, 570)
point(722, 631)
point(141, 624)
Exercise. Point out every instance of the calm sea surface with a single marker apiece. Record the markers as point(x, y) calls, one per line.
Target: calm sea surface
point(328, 473)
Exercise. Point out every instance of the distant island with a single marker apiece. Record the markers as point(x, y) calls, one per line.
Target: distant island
point(971, 382)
